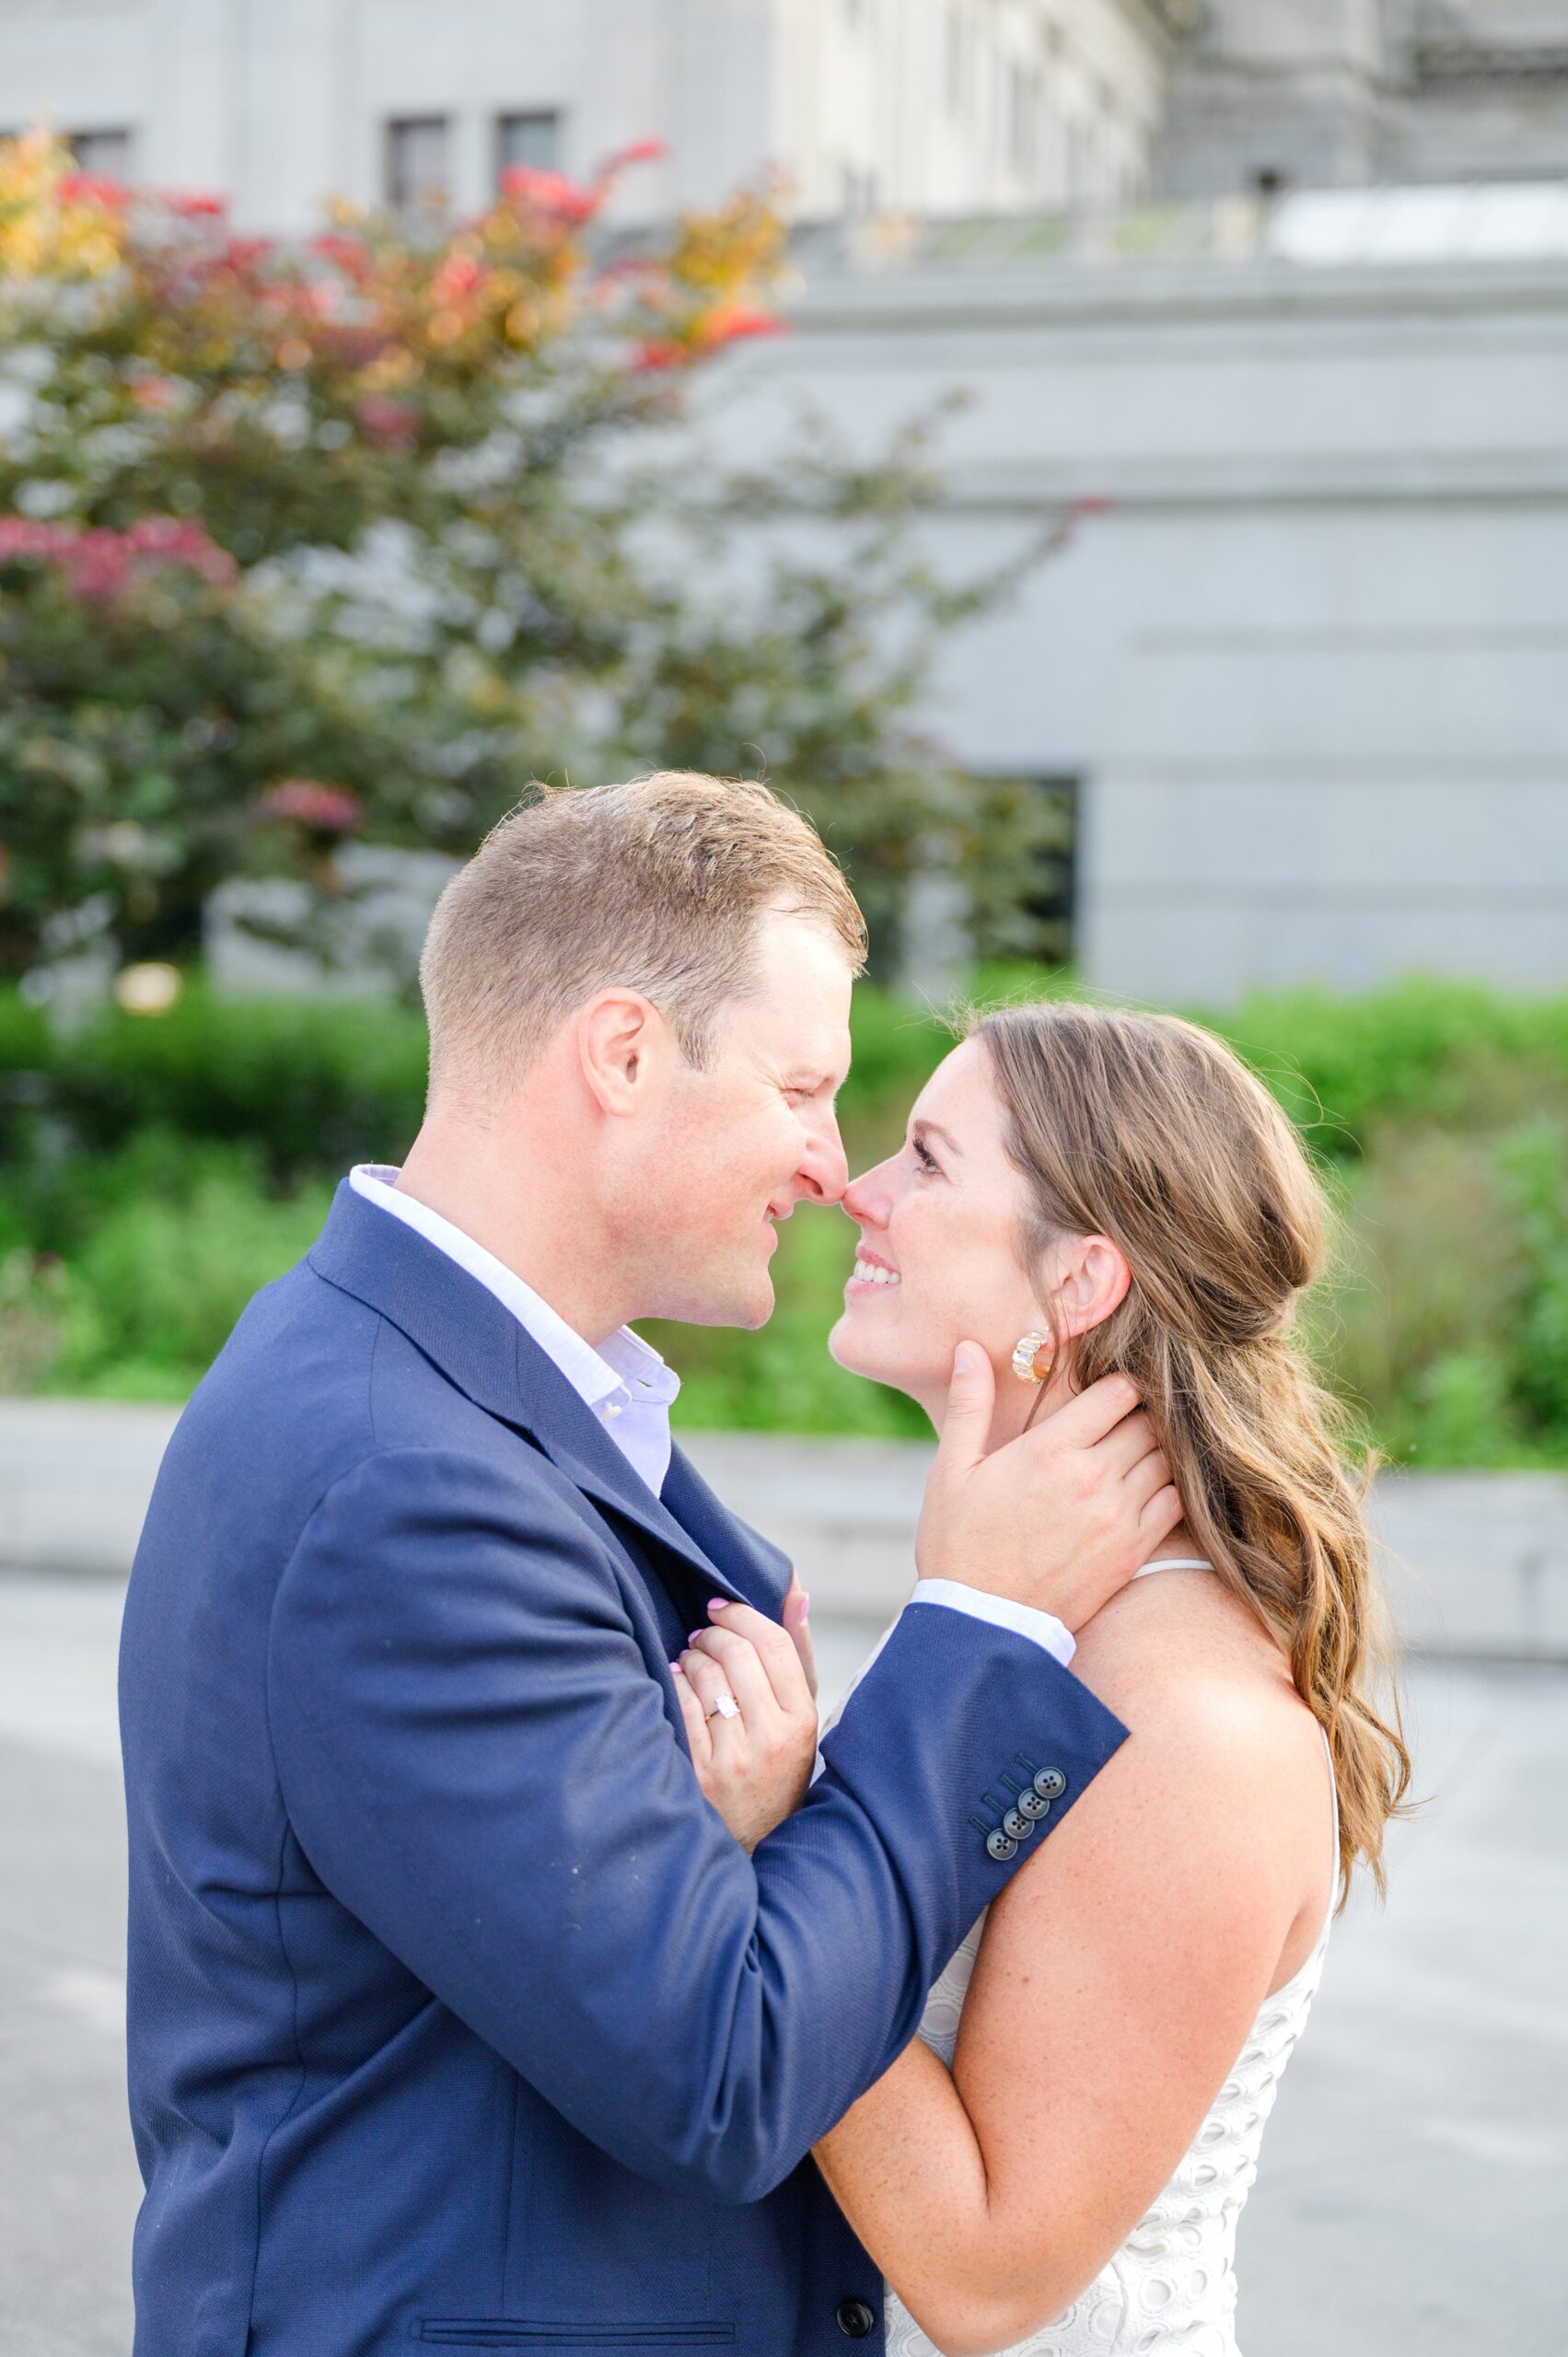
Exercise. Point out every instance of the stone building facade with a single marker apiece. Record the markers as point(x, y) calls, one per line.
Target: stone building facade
point(1305, 657)
point(1271, 94)
point(916, 106)
point(1306, 653)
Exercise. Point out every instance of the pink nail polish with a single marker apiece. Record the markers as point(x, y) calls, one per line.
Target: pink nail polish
point(693, 1635)
point(718, 1604)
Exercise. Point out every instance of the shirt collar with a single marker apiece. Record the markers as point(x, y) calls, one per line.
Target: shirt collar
point(627, 1372)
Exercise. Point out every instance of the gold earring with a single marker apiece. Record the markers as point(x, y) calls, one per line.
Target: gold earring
point(1033, 1357)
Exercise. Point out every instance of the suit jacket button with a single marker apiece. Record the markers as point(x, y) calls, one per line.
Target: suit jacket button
point(1031, 1805)
point(1019, 1825)
point(1001, 1846)
point(1051, 1784)
point(855, 2319)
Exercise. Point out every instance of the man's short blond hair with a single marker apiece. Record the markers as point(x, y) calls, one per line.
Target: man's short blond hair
point(657, 886)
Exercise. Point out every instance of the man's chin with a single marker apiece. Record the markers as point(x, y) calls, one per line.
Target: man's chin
point(759, 1305)
point(747, 1306)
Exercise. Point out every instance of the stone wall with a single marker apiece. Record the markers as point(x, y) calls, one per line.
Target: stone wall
point(900, 105)
point(1308, 661)
point(1328, 93)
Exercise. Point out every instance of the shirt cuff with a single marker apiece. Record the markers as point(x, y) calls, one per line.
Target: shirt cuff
point(1023, 1619)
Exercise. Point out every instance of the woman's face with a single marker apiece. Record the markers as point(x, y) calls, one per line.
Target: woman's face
point(940, 1262)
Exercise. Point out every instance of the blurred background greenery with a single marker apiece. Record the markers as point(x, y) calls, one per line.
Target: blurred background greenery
point(309, 551)
point(158, 1171)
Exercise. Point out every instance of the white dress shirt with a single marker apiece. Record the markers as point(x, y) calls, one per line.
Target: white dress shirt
point(630, 1387)
point(625, 1382)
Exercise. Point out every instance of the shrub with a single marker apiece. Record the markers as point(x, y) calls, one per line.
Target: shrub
point(363, 535)
point(156, 1171)
point(1440, 1051)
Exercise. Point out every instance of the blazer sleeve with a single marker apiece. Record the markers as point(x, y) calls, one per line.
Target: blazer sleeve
point(480, 1766)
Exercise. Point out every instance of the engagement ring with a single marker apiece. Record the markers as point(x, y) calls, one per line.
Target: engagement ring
point(727, 1707)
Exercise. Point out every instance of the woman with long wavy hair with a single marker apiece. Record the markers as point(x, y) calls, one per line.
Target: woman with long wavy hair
point(1057, 2164)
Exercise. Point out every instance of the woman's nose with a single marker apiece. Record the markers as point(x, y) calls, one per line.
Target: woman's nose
point(866, 1199)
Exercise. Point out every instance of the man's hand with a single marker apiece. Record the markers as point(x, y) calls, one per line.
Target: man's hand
point(1059, 1518)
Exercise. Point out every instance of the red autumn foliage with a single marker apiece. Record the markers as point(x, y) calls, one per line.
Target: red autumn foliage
point(93, 188)
point(659, 351)
point(98, 565)
point(458, 276)
point(551, 193)
point(733, 323)
point(641, 151)
point(394, 424)
point(307, 802)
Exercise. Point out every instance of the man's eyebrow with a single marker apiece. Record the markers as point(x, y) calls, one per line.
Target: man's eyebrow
point(922, 1128)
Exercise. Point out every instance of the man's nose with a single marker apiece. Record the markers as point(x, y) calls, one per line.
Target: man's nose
point(824, 1170)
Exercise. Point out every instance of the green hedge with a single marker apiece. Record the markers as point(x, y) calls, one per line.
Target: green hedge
point(305, 1086)
point(153, 1172)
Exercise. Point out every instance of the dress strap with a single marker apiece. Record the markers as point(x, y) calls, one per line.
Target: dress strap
point(1173, 1563)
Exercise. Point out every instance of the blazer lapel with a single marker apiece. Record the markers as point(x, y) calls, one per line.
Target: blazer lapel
point(757, 1566)
point(481, 1347)
point(584, 1451)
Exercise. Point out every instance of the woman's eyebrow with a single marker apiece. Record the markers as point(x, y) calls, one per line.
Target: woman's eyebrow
point(934, 1129)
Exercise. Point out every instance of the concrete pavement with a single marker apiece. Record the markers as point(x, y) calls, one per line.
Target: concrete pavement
point(1413, 2192)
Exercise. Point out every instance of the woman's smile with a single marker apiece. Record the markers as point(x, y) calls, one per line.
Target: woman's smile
point(871, 1274)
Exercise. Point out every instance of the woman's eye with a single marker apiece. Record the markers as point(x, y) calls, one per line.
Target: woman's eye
point(928, 1162)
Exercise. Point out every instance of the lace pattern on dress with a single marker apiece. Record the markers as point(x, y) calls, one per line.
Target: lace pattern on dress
point(1170, 2290)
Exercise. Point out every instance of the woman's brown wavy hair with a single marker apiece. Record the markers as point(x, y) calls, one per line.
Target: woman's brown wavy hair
point(1149, 1131)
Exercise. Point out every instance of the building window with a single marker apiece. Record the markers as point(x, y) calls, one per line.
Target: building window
point(958, 54)
point(105, 154)
point(1053, 903)
point(1082, 161)
point(1039, 921)
point(1023, 118)
point(532, 141)
point(417, 179)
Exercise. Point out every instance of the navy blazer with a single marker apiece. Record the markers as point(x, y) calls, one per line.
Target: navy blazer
point(456, 2015)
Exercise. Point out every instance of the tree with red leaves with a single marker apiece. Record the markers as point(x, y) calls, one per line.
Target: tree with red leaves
point(361, 528)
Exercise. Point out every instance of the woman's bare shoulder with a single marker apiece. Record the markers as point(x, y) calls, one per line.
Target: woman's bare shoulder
point(1217, 1799)
point(1182, 1658)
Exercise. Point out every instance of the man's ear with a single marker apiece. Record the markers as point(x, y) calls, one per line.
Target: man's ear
point(620, 1033)
point(1093, 1281)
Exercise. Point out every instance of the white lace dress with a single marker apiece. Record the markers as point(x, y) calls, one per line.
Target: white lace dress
point(1170, 2290)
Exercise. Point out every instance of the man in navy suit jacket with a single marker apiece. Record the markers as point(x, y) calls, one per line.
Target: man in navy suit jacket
point(457, 2017)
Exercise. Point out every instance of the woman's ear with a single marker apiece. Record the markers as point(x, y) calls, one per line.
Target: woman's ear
point(1093, 1279)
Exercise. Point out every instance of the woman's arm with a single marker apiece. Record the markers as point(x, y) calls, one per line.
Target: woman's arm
point(1117, 1980)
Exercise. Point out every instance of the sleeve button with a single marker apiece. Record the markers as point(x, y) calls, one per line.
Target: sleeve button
point(1018, 1825)
point(1051, 1784)
point(1001, 1846)
point(1031, 1805)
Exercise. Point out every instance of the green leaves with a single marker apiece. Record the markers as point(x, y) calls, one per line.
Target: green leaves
point(156, 1171)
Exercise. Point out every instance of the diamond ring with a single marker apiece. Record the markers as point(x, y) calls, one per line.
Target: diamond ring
point(727, 1707)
